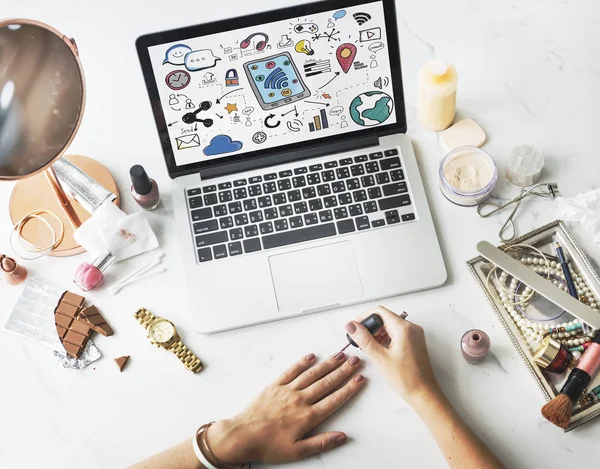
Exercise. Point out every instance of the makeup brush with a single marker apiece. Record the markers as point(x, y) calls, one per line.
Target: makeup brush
point(560, 409)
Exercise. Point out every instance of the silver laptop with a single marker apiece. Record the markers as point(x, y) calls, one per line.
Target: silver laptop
point(295, 187)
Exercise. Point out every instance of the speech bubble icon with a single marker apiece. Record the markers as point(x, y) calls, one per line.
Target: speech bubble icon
point(376, 46)
point(248, 110)
point(338, 15)
point(336, 111)
point(200, 60)
point(175, 55)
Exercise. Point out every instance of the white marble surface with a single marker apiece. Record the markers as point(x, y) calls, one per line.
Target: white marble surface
point(529, 73)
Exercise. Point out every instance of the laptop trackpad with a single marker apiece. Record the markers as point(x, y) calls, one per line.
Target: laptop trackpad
point(310, 278)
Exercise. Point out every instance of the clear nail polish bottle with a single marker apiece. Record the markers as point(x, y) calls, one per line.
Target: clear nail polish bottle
point(475, 346)
point(144, 190)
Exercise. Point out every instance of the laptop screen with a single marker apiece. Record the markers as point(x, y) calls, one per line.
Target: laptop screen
point(295, 80)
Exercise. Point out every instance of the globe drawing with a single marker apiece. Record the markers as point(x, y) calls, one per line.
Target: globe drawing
point(371, 108)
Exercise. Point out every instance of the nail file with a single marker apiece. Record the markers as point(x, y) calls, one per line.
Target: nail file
point(539, 284)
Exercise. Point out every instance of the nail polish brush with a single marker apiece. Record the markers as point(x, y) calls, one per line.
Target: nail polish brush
point(373, 323)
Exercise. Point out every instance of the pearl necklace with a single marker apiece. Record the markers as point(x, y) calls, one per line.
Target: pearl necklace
point(570, 333)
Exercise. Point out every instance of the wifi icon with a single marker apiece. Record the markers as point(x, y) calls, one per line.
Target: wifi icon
point(361, 18)
point(276, 80)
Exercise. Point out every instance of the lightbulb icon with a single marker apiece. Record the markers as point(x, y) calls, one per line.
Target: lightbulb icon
point(304, 47)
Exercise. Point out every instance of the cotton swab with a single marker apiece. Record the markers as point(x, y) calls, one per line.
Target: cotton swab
point(117, 288)
point(141, 270)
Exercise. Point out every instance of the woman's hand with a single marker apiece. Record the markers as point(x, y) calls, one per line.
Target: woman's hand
point(273, 428)
point(400, 352)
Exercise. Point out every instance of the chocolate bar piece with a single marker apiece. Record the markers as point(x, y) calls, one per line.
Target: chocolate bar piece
point(96, 321)
point(75, 325)
point(73, 299)
point(74, 334)
point(67, 309)
point(121, 362)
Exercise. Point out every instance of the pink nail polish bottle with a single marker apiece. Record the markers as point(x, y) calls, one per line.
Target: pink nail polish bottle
point(475, 345)
point(89, 276)
point(10, 272)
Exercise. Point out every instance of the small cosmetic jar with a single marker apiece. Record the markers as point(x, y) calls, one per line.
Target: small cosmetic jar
point(468, 176)
point(553, 356)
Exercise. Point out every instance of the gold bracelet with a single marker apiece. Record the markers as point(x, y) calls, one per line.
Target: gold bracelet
point(20, 225)
point(203, 432)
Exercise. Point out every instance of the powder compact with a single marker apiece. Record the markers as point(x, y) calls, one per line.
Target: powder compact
point(468, 176)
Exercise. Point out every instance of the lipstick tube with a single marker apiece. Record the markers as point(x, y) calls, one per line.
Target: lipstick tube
point(582, 375)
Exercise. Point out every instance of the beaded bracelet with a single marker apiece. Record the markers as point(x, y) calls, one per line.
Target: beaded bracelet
point(495, 269)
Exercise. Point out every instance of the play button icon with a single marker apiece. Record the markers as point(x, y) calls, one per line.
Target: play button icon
point(373, 34)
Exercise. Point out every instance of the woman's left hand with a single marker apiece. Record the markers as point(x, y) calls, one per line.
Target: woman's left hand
point(273, 428)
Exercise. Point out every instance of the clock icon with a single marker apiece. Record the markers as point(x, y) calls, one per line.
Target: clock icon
point(178, 79)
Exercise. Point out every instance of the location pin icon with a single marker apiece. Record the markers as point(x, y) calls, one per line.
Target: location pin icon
point(346, 54)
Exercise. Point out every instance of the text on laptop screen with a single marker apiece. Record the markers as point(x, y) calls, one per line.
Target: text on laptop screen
point(276, 84)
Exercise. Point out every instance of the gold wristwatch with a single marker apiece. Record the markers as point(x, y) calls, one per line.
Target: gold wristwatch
point(162, 333)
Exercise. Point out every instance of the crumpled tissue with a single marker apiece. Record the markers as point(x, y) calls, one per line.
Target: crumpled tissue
point(110, 229)
point(583, 209)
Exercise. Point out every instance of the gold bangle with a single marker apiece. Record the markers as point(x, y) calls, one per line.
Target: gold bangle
point(203, 432)
point(18, 229)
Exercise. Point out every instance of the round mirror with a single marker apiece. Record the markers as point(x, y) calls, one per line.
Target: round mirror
point(42, 95)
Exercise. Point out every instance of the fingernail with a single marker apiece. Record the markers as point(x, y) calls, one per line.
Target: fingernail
point(354, 361)
point(310, 358)
point(359, 378)
point(351, 328)
point(340, 440)
point(340, 356)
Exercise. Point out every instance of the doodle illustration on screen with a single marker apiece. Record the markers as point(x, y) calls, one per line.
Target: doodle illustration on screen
point(178, 79)
point(345, 55)
point(371, 108)
point(361, 18)
point(276, 81)
point(274, 84)
point(258, 46)
point(373, 34)
point(187, 141)
point(200, 60)
point(304, 47)
point(175, 55)
point(222, 144)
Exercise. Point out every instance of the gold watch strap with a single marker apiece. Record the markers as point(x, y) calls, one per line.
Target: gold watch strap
point(186, 356)
point(145, 317)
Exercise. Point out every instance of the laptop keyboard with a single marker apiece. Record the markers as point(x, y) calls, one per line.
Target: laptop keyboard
point(304, 204)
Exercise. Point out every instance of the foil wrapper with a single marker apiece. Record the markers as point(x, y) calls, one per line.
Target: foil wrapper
point(80, 186)
point(33, 317)
point(89, 355)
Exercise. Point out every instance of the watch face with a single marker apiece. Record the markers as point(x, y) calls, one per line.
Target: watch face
point(162, 331)
point(178, 79)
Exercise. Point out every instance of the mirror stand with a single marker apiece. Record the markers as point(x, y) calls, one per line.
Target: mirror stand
point(42, 99)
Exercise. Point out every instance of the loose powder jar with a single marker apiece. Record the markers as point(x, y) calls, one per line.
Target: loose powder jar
point(468, 176)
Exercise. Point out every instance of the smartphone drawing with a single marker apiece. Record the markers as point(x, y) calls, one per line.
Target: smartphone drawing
point(276, 81)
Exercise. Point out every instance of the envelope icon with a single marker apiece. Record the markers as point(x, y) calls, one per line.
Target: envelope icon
point(187, 141)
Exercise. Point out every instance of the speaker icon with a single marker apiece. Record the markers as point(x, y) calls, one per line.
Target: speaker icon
point(382, 82)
